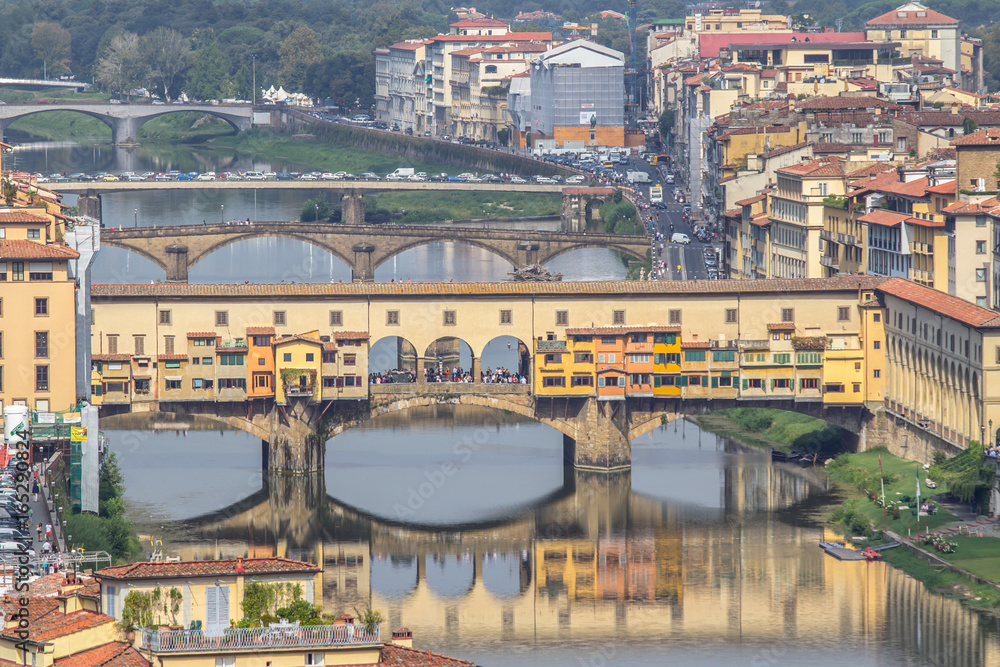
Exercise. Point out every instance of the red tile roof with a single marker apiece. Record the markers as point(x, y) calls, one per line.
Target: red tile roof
point(823, 167)
point(54, 625)
point(52, 584)
point(202, 334)
point(970, 208)
point(8, 215)
point(751, 200)
point(205, 568)
point(374, 290)
point(884, 218)
point(394, 655)
point(989, 136)
point(114, 654)
point(781, 326)
point(24, 249)
point(409, 45)
point(710, 43)
point(479, 23)
point(351, 335)
point(172, 357)
point(112, 357)
point(871, 170)
point(509, 37)
point(260, 331)
point(911, 14)
point(951, 306)
point(620, 331)
point(948, 188)
point(844, 103)
point(920, 222)
point(696, 344)
point(39, 605)
point(733, 213)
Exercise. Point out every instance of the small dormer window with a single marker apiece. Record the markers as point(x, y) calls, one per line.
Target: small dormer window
point(921, 15)
point(901, 15)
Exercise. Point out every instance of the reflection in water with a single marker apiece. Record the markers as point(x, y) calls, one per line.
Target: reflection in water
point(626, 566)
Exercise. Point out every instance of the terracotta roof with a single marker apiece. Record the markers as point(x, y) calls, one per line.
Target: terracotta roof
point(295, 337)
point(204, 568)
point(948, 188)
point(889, 182)
point(202, 334)
point(884, 218)
point(111, 357)
point(8, 215)
point(842, 103)
point(351, 335)
point(38, 605)
point(394, 655)
point(260, 331)
point(733, 213)
point(608, 331)
point(871, 170)
point(509, 37)
point(114, 654)
point(710, 43)
point(920, 222)
point(946, 118)
point(479, 23)
point(815, 168)
point(24, 249)
point(696, 344)
point(409, 45)
point(751, 200)
point(952, 306)
point(989, 136)
point(54, 625)
point(911, 13)
point(760, 220)
point(255, 291)
point(969, 208)
point(329, 347)
point(51, 585)
point(781, 326)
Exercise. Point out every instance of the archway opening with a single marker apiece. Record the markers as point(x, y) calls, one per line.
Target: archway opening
point(506, 574)
point(184, 125)
point(450, 575)
point(589, 264)
point(448, 359)
point(436, 262)
point(392, 359)
point(117, 265)
point(506, 359)
point(62, 124)
point(394, 576)
point(269, 259)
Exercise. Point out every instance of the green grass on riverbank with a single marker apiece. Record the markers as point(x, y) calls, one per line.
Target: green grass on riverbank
point(425, 207)
point(319, 155)
point(778, 429)
point(945, 581)
point(860, 471)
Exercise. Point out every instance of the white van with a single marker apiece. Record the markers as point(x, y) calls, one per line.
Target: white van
point(682, 239)
point(254, 176)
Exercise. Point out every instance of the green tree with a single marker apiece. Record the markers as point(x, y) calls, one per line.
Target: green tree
point(167, 54)
point(208, 77)
point(666, 122)
point(969, 125)
point(111, 480)
point(122, 68)
point(299, 50)
point(314, 210)
point(51, 44)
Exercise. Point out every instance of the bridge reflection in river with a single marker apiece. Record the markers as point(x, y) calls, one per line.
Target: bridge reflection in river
point(626, 562)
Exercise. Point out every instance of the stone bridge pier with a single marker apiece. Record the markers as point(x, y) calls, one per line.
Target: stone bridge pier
point(352, 209)
point(600, 439)
point(177, 263)
point(294, 444)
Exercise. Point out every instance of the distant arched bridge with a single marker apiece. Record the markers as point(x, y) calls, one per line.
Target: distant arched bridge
point(126, 119)
point(364, 248)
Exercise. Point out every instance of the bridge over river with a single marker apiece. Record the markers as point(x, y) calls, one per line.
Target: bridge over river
point(362, 247)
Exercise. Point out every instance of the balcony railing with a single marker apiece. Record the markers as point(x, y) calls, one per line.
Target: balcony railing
point(543, 345)
point(919, 274)
point(746, 344)
point(832, 262)
point(827, 235)
point(236, 639)
point(847, 239)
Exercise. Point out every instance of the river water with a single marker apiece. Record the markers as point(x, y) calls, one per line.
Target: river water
point(702, 554)
point(263, 259)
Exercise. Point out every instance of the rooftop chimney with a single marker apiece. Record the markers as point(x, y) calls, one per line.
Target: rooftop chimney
point(402, 637)
point(239, 565)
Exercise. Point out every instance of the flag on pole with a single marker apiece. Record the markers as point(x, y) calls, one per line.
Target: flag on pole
point(918, 488)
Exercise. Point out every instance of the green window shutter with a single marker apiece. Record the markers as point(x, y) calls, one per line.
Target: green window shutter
point(715, 382)
point(682, 381)
point(239, 359)
point(656, 381)
point(745, 383)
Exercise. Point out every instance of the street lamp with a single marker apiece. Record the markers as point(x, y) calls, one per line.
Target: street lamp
point(222, 216)
point(135, 219)
point(317, 212)
point(253, 97)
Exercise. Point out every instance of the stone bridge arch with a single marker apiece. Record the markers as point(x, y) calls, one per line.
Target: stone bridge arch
point(268, 233)
point(546, 258)
point(142, 252)
point(489, 247)
point(13, 118)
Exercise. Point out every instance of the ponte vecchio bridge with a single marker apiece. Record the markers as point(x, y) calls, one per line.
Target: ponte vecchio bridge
point(894, 363)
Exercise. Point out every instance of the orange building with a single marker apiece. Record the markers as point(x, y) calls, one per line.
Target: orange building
point(260, 362)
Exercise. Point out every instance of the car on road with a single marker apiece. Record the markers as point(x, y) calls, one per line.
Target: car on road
point(185, 177)
point(369, 176)
point(517, 180)
point(207, 176)
point(134, 178)
point(328, 176)
point(253, 176)
point(283, 176)
point(440, 178)
point(307, 177)
point(576, 180)
point(269, 176)
point(110, 178)
point(492, 178)
point(162, 177)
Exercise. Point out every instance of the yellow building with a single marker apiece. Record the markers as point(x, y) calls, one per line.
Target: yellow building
point(731, 20)
point(298, 361)
point(920, 31)
point(37, 315)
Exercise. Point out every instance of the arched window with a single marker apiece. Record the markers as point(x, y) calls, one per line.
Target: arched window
point(491, 69)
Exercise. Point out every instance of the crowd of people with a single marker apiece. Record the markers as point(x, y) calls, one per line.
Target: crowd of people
point(994, 451)
point(497, 375)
